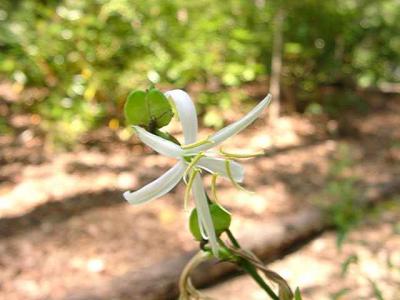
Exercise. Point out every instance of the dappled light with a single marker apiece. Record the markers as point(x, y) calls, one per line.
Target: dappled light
point(276, 122)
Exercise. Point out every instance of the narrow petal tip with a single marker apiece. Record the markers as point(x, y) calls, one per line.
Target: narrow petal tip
point(127, 196)
point(135, 128)
point(265, 102)
point(234, 128)
point(268, 98)
point(158, 187)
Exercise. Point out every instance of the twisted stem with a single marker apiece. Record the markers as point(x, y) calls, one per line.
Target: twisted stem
point(248, 267)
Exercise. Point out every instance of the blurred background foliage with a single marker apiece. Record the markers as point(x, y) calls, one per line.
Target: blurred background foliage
point(73, 63)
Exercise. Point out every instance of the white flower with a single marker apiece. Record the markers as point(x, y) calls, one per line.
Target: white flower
point(191, 157)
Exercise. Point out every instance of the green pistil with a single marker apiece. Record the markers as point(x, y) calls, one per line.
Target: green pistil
point(192, 162)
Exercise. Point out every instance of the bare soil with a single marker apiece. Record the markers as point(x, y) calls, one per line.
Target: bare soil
point(64, 225)
point(368, 264)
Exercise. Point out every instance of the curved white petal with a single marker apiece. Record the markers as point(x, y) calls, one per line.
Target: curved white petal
point(158, 187)
point(218, 165)
point(237, 126)
point(202, 230)
point(159, 144)
point(187, 114)
point(204, 214)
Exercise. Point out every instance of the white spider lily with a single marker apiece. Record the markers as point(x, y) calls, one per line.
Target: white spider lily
point(191, 157)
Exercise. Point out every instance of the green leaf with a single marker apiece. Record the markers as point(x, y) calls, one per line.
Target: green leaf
point(221, 220)
point(352, 259)
point(159, 108)
point(149, 109)
point(340, 294)
point(297, 294)
point(134, 109)
point(377, 292)
point(166, 136)
point(194, 225)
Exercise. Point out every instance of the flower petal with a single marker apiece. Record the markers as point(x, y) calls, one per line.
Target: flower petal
point(237, 126)
point(159, 144)
point(187, 114)
point(204, 215)
point(158, 187)
point(217, 166)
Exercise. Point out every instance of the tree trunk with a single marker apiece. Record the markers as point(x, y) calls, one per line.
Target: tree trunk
point(276, 65)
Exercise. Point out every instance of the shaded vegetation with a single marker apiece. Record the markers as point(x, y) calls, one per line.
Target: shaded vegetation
point(84, 57)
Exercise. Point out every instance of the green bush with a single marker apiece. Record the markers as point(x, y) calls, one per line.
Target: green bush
point(88, 55)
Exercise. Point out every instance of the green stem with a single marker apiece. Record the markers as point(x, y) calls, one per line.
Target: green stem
point(233, 240)
point(245, 264)
point(250, 269)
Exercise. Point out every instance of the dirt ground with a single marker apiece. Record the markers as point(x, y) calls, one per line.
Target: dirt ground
point(367, 265)
point(64, 225)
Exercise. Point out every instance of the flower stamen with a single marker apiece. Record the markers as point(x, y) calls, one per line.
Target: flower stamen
point(196, 144)
point(189, 188)
point(214, 187)
point(230, 176)
point(230, 155)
